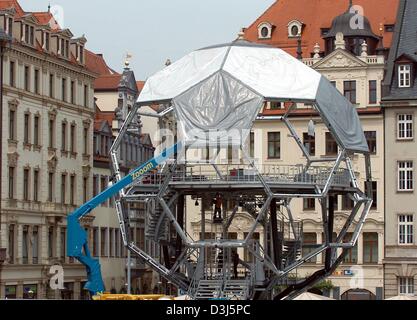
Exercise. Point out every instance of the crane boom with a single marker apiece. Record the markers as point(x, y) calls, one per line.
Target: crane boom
point(77, 241)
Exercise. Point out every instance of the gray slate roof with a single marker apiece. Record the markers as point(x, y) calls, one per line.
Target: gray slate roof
point(404, 43)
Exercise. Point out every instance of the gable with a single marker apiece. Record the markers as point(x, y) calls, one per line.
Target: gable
point(339, 59)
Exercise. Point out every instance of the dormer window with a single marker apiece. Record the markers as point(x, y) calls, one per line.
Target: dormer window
point(28, 34)
point(265, 30)
point(45, 40)
point(8, 26)
point(295, 28)
point(404, 75)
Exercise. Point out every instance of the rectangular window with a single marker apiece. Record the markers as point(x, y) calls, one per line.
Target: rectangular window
point(404, 74)
point(72, 190)
point(310, 144)
point(349, 90)
point(12, 74)
point(252, 145)
point(51, 186)
point(86, 96)
point(25, 245)
point(309, 245)
point(405, 229)
point(73, 139)
point(370, 247)
point(73, 92)
point(352, 256)
point(309, 204)
point(405, 176)
point(32, 36)
point(95, 184)
point(9, 26)
point(405, 126)
point(27, 78)
point(85, 189)
point(374, 194)
point(36, 185)
point(274, 145)
point(64, 90)
point(51, 133)
point(63, 244)
point(275, 105)
point(37, 81)
point(26, 128)
point(11, 182)
point(26, 184)
point(51, 86)
point(103, 242)
point(111, 242)
point(12, 125)
point(35, 245)
point(373, 92)
point(85, 141)
point(63, 187)
point(11, 247)
point(371, 139)
point(103, 186)
point(347, 203)
point(51, 242)
point(406, 285)
point(36, 130)
point(331, 145)
point(95, 242)
point(64, 136)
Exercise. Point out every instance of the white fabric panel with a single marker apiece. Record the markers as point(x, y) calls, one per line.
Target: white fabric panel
point(272, 72)
point(342, 117)
point(218, 111)
point(182, 75)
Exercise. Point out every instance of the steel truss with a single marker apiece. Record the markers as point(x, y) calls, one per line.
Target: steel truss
point(188, 269)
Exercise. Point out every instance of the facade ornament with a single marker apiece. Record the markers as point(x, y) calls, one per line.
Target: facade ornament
point(339, 43)
point(52, 163)
point(316, 51)
point(86, 171)
point(364, 52)
point(12, 158)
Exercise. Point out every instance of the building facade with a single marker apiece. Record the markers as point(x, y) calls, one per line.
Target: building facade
point(115, 95)
point(46, 152)
point(400, 106)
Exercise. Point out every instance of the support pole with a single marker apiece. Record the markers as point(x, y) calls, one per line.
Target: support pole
point(180, 219)
point(330, 223)
point(275, 237)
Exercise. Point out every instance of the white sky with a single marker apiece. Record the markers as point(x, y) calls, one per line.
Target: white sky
point(152, 30)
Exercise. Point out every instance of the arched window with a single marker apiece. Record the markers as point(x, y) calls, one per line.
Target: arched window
point(295, 28)
point(265, 30)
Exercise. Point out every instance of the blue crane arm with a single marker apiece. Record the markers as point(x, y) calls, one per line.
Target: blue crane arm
point(77, 236)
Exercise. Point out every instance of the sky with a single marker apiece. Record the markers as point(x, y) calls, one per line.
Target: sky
point(152, 31)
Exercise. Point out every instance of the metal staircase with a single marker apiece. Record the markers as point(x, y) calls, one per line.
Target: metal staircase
point(156, 222)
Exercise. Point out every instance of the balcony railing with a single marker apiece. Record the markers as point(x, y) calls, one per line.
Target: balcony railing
point(273, 174)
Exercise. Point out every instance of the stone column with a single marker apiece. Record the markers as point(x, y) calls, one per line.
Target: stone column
point(380, 247)
point(19, 290)
point(30, 244)
point(19, 242)
point(77, 290)
point(58, 242)
point(43, 244)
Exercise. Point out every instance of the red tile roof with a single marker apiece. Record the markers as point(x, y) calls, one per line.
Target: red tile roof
point(108, 82)
point(97, 64)
point(8, 4)
point(140, 85)
point(317, 14)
